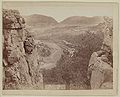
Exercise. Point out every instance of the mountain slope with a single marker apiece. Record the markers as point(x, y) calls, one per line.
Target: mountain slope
point(39, 21)
point(82, 20)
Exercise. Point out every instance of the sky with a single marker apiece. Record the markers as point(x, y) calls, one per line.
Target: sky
point(60, 11)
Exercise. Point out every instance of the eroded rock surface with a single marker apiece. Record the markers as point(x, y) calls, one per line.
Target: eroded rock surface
point(19, 67)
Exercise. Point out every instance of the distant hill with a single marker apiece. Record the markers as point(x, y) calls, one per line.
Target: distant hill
point(39, 21)
point(47, 28)
point(82, 20)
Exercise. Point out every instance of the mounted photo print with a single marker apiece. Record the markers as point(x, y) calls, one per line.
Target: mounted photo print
point(59, 48)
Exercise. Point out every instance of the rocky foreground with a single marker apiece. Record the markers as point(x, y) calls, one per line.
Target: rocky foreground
point(20, 57)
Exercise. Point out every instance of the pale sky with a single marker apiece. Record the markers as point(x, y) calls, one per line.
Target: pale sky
point(60, 11)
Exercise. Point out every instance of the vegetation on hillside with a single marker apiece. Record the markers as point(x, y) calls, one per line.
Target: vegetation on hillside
point(72, 70)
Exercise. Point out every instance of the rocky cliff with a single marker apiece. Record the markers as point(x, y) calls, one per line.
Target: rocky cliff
point(20, 60)
point(101, 62)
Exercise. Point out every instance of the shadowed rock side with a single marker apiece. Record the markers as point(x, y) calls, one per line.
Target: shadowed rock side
point(101, 62)
point(20, 59)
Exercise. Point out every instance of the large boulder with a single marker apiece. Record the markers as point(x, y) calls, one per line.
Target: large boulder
point(102, 73)
point(100, 69)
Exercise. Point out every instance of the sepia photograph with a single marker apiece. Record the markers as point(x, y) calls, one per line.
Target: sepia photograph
point(57, 46)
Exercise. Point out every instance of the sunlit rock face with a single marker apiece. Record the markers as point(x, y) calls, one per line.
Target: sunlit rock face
point(100, 69)
point(16, 68)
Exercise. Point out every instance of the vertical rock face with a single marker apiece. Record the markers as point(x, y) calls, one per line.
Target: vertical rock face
point(33, 59)
point(101, 62)
point(18, 68)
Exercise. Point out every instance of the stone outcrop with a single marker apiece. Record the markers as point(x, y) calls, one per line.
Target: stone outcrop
point(33, 60)
point(20, 61)
point(100, 70)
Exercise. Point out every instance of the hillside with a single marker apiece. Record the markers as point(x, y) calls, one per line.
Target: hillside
point(82, 20)
point(71, 26)
point(39, 21)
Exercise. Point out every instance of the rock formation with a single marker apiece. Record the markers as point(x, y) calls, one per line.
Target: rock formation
point(100, 70)
point(20, 60)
